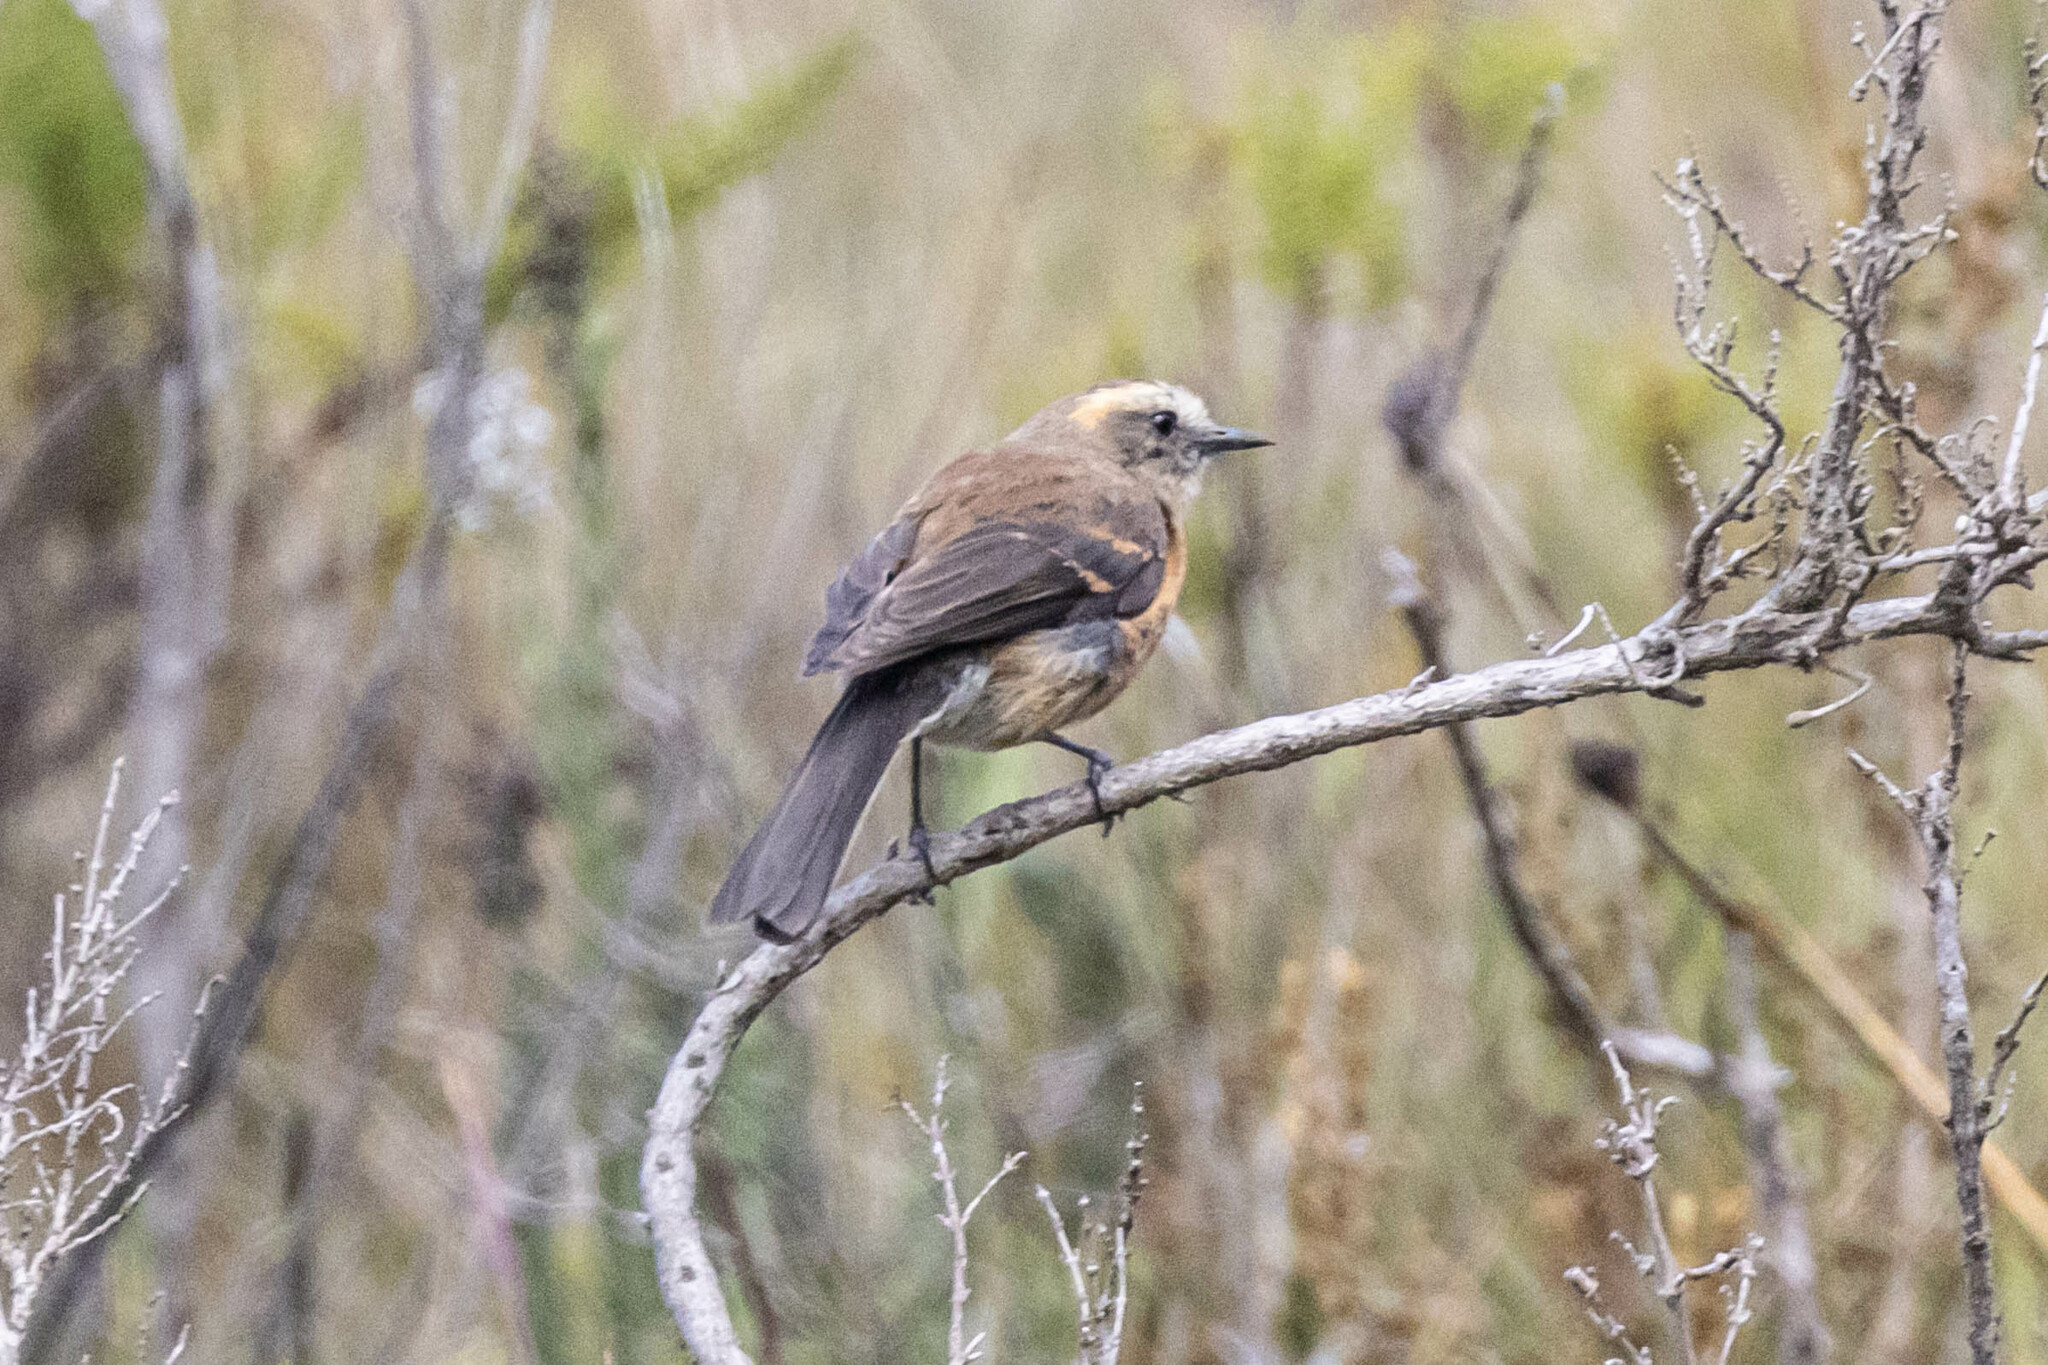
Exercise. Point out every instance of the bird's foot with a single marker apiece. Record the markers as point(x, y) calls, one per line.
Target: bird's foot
point(920, 841)
point(1099, 765)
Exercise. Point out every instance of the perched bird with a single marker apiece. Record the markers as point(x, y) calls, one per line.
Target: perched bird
point(1015, 594)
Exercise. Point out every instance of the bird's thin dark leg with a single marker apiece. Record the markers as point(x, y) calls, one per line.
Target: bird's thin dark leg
point(920, 839)
point(1098, 764)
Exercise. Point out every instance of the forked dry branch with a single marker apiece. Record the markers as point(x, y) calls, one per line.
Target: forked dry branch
point(69, 1137)
point(1099, 1262)
point(954, 1217)
point(1631, 1144)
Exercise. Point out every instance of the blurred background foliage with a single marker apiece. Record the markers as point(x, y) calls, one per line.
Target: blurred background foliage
point(769, 266)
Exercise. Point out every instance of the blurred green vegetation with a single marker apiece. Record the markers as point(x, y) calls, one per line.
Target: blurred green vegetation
point(1325, 123)
point(1315, 143)
point(689, 163)
point(69, 164)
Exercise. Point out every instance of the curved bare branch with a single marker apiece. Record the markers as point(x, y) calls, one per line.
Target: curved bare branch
point(1755, 639)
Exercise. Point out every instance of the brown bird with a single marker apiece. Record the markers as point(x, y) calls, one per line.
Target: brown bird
point(1015, 594)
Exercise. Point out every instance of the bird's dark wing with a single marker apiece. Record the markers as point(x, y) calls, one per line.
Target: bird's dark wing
point(1001, 577)
point(848, 599)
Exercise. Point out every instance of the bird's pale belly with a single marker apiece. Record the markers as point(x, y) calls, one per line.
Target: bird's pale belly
point(1027, 688)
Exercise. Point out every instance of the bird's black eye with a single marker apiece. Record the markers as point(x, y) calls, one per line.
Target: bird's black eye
point(1164, 422)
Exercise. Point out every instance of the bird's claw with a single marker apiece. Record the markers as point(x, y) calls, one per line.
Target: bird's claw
point(920, 842)
point(1098, 768)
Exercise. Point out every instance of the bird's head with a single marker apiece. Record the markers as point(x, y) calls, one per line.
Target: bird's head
point(1160, 432)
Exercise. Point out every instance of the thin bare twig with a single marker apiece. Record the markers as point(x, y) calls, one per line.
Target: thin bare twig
point(1868, 260)
point(2002, 1050)
point(1704, 569)
point(231, 1019)
point(515, 145)
point(1101, 1286)
point(1863, 683)
point(961, 1349)
point(1528, 177)
point(2012, 481)
point(331, 1149)
point(2037, 102)
point(1422, 402)
point(1736, 1312)
point(70, 1140)
point(1753, 1078)
point(1966, 1116)
point(1931, 811)
point(1631, 1144)
point(1585, 1280)
point(1801, 954)
point(1690, 193)
point(1069, 1257)
point(1570, 997)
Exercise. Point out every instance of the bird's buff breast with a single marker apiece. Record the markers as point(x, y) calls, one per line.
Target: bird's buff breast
point(1025, 689)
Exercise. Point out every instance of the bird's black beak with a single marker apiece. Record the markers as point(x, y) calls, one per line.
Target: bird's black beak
point(1223, 440)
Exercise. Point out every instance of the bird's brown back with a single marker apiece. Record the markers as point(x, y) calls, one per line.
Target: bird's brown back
point(997, 543)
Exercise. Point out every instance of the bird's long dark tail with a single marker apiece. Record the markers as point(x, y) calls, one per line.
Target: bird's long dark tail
point(781, 878)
